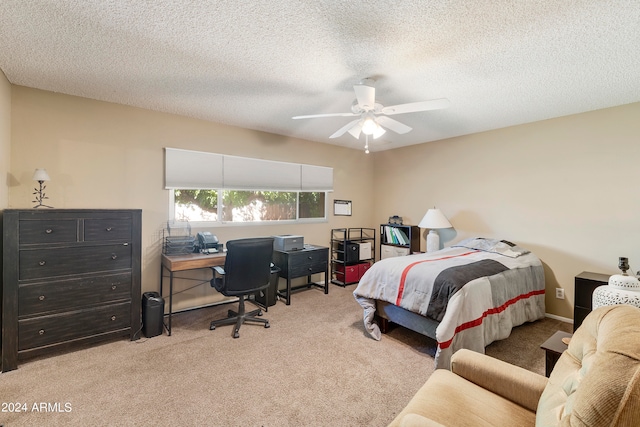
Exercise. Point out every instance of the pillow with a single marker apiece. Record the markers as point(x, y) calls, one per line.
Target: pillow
point(501, 247)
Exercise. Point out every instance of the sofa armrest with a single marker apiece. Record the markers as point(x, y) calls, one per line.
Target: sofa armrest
point(415, 420)
point(509, 381)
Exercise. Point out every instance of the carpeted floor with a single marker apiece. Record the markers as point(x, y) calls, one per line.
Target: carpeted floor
point(315, 366)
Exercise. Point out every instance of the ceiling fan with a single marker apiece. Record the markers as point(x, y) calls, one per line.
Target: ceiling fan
point(372, 116)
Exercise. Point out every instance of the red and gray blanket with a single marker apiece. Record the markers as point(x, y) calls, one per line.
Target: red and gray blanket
point(477, 290)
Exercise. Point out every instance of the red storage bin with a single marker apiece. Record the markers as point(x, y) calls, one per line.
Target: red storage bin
point(362, 267)
point(351, 273)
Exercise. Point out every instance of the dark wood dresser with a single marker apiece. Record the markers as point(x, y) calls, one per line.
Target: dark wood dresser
point(70, 276)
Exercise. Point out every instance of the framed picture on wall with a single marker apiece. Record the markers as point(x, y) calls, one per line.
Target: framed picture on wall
point(342, 207)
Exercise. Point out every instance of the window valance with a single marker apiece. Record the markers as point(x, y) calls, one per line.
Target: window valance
point(192, 170)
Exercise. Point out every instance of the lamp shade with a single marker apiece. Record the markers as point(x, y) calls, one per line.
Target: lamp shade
point(433, 219)
point(41, 175)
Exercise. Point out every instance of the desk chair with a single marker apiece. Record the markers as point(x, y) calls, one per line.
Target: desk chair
point(247, 270)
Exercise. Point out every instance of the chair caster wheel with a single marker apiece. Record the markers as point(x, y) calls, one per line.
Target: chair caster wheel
point(212, 327)
point(260, 313)
point(236, 335)
point(266, 325)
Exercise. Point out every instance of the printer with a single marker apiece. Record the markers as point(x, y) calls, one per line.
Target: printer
point(288, 242)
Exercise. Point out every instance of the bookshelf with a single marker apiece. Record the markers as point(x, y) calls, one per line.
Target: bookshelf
point(352, 253)
point(398, 240)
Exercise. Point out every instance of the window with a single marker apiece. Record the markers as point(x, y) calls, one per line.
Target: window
point(242, 206)
point(209, 187)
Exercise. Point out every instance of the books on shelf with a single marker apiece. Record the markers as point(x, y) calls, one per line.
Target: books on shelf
point(396, 235)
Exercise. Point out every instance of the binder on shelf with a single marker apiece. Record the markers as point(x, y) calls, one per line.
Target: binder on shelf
point(402, 236)
point(398, 235)
point(391, 238)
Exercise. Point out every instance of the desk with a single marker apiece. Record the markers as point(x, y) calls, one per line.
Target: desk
point(175, 263)
point(304, 262)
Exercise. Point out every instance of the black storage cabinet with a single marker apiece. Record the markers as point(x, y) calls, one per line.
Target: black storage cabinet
point(152, 314)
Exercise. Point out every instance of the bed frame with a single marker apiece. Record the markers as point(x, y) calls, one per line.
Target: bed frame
point(387, 312)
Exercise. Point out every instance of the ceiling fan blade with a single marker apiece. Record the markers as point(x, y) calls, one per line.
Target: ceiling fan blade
point(356, 129)
point(393, 125)
point(366, 96)
point(313, 116)
point(412, 107)
point(344, 129)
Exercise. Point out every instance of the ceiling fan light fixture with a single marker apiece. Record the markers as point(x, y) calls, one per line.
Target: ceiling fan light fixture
point(378, 132)
point(369, 125)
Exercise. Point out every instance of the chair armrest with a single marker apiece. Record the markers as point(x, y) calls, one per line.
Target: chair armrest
point(504, 379)
point(218, 269)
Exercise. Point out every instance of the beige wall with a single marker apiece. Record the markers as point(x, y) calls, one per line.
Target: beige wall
point(564, 188)
point(5, 138)
point(103, 155)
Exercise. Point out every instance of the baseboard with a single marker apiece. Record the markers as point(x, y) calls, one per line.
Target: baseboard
point(562, 319)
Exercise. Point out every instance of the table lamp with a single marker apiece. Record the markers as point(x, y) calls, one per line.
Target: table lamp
point(622, 288)
point(41, 176)
point(433, 220)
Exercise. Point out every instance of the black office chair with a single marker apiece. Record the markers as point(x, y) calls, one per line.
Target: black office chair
point(247, 270)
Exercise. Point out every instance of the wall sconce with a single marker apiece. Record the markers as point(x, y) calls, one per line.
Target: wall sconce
point(41, 176)
point(433, 220)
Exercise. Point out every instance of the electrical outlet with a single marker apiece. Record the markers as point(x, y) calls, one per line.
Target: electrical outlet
point(559, 293)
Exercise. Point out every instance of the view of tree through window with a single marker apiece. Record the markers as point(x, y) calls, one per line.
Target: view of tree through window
point(247, 206)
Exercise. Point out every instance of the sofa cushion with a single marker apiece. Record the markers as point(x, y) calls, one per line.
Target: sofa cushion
point(449, 399)
point(596, 382)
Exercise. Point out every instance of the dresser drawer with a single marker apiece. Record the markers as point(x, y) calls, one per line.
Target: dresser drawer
point(48, 231)
point(305, 258)
point(66, 295)
point(58, 328)
point(36, 264)
point(308, 269)
point(96, 230)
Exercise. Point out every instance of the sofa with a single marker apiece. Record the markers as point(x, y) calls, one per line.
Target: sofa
point(595, 382)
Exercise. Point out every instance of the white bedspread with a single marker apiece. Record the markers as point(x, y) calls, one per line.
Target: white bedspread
point(482, 311)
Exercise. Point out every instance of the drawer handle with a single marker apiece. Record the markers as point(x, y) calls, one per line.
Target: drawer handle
point(48, 231)
point(41, 331)
point(109, 228)
point(41, 297)
point(113, 317)
point(42, 263)
point(113, 287)
point(114, 256)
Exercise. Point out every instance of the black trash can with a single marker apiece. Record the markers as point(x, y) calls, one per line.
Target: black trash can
point(152, 314)
point(267, 296)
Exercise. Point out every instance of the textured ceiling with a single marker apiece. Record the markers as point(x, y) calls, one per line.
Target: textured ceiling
point(255, 64)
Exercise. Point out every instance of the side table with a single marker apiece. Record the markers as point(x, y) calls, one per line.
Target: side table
point(553, 349)
point(304, 262)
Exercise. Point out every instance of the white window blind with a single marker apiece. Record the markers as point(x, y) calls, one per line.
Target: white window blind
point(316, 178)
point(190, 170)
point(242, 173)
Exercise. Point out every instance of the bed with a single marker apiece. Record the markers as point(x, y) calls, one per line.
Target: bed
point(464, 296)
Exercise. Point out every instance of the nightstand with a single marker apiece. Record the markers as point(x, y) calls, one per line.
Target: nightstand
point(585, 283)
